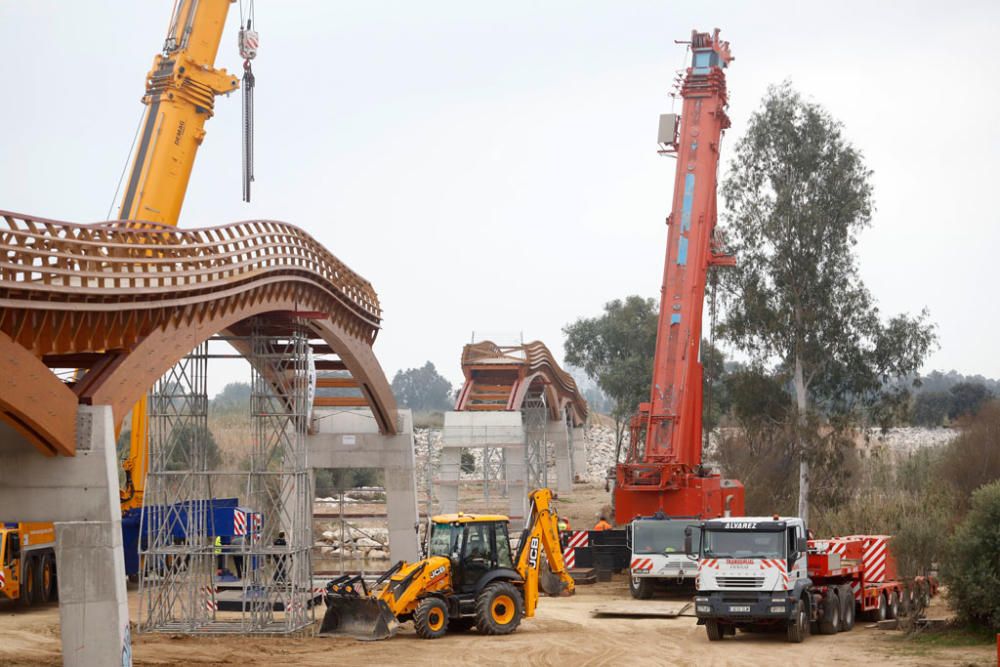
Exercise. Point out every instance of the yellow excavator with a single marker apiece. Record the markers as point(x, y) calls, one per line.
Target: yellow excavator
point(470, 578)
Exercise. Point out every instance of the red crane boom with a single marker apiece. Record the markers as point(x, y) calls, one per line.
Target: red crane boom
point(666, 474)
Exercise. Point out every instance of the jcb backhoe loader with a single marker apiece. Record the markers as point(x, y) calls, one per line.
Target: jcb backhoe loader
point(469, 578)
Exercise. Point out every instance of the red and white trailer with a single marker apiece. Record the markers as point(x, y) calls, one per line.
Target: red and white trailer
point(866, 562)
point(759, 572)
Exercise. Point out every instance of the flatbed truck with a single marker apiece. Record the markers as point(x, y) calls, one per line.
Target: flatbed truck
point(28, 562)
point(759, 573)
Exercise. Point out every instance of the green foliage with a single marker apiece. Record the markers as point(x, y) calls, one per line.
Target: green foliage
point(972, 569)
point(422, 389)
point(468, 463)
point(616, 349)
point(966, 399)
point(930, 408)
point(334, 481)
point(185, 447)
point(798, 195)
point(234, 397)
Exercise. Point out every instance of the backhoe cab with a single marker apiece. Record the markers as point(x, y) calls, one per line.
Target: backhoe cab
point(470, 578)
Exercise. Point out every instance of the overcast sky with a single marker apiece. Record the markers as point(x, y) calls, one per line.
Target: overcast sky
point(491, 166)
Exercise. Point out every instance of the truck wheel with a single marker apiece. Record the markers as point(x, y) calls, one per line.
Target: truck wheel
point(829, 624)
point(499, 609)
point(46, 579)
point(641, 588)
point(798, 627)
point(29, 590)
point(846, 608)
point(892, 606)
point(714, 630)
point(878, 614)
point(431, 618)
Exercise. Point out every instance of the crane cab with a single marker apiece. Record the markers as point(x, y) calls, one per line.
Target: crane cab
point(478, 546)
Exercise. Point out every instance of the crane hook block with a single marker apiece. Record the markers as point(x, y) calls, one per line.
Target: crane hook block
point(249, 41)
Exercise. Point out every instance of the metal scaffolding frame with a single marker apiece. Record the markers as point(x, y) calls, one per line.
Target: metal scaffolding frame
point(536, 458)
point(176, 578)
point(179, 589)
point(279, 587)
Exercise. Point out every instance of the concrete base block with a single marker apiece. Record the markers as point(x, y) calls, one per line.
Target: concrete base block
point(80, 494)
point(93, 608)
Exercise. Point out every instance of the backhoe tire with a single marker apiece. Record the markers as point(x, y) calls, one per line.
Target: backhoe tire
point(798, 627)
point(846, 608)
point(430, 618)
point(830, 623)
point(29, 581)
point(714, 630)
point(641, 588)
point(499, 609)
point(45, 579)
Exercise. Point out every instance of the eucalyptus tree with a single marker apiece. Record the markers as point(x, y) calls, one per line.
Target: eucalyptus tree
point(796, 198)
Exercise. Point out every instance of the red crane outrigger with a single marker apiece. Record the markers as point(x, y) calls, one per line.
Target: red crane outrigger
point(667, 474)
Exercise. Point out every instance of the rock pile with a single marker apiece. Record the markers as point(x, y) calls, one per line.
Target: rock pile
point(368, 543)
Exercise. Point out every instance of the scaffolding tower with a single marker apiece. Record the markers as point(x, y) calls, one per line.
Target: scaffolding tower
point(181, 587)
point(536, 459)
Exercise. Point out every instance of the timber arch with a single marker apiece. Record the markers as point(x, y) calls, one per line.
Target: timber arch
point(123, 302)
point(499, 378)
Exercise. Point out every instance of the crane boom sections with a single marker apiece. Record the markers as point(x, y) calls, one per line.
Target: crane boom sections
point(180, 96)
point(674, 429)
point(663, 464)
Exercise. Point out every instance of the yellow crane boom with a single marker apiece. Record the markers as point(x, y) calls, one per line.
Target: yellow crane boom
point(180, 97)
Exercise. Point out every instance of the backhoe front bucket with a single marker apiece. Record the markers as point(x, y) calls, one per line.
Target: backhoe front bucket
point(361, 617)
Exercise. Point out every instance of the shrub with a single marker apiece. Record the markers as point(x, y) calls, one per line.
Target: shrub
point(468, 464)
point(973, 458)
point(971, 569)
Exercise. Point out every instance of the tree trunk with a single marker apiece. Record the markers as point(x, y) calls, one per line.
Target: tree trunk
point(802, 404)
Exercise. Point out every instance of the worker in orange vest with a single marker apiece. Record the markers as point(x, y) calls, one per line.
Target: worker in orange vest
point(602, 524)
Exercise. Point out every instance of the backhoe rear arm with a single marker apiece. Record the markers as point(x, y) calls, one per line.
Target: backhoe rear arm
point(540, 531)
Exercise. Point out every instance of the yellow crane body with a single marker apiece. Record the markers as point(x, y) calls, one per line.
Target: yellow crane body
point(180, 97)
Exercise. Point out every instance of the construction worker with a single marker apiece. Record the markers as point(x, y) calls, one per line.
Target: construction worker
point(602, 524)
point(220, 560)
point(563, 524)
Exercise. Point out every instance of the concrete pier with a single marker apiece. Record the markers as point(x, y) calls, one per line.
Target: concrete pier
point(483, 430)
point(350, 439)
point(79, 494)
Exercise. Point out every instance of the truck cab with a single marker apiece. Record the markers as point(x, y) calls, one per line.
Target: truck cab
point(659, 553)
point(27, 562)
point(753, 571)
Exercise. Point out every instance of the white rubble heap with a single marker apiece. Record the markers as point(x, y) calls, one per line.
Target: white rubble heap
point(899, 441)
point(369, 543)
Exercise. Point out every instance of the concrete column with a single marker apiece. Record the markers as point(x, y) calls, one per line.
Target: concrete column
point(578, 449)
point(350, 439)
point(449, 476)
point(558, 435)
point(79, 494)
point(517, 494)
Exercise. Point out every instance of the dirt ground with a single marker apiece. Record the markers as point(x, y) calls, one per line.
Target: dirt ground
point(562, 633)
